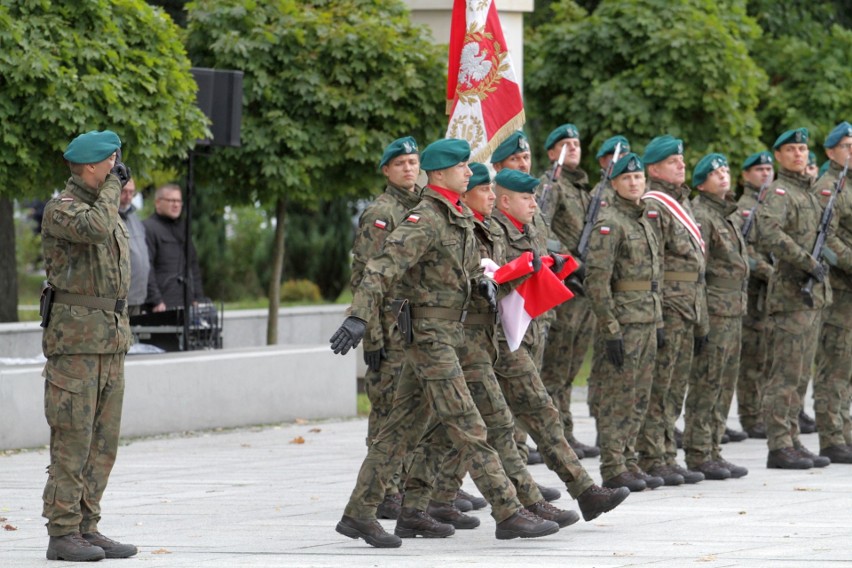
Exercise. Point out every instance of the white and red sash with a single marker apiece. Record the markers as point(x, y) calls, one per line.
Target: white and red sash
point(679, 213)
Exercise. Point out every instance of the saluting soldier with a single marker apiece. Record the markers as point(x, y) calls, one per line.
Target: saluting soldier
point(623, 274)
point(87, 334)
point(433, 261)
point(788, 226)
point(684, 308)
point(571, 331)
point(714, 371)
point(757, 171)
point(833, 376)
point(517, 371)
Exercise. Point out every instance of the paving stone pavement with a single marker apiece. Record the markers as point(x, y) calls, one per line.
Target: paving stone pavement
point(271, 496)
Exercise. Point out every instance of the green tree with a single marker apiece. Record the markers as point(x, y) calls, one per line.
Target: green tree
point(648, 67)
point(70, 67)
point(327, 84)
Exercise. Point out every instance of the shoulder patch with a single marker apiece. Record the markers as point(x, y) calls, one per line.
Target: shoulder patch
point(66, 199)
point(746, 212)
point(604, 230)
point(603, 203)
point(826, 192)
point(780, 191)
point(653, 214)
point(380, 224)
point(413, 218)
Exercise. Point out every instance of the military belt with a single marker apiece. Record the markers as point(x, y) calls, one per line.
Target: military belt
point(94, 302)
point(439, 313)
point(636, 286)
point(726, 283)
point(683, 276)
point(481, 318)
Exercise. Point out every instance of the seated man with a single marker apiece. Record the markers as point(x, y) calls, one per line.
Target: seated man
point(165, 234)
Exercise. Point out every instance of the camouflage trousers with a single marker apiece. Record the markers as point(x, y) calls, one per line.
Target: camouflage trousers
point(624, 395)
point(656, 442)
point(542, 324)
point(83, 396)
point(518, 376)
point(833, 376)
point(380, 387)
point(711, 390)
point(791, 346)
point(568, 340)
point(752, 375)
point(435, 389)
point(477, 359)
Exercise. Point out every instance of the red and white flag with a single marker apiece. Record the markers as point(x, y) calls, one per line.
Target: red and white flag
point(537, 294)
point(483, 95)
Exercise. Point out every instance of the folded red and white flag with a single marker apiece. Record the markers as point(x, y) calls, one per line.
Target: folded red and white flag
point(537, 294)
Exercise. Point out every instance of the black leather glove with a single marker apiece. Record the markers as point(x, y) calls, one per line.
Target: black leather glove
point(580, 273)
point(348, 335)
point(536, 261)
point(558, 262)
point(615, 352)
point(818, 270)
point(488, 290)
point(121, 171)
point(661, 337)
point(575, 285)
point(700, 343)
point(373, 359)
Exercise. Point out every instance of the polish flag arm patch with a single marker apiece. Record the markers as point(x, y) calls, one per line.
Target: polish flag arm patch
point(380, 224)
point(826, 192)
point(413, 218)
point(780, 191)
point(604, 230)
point(746, 213)
point(653, 214)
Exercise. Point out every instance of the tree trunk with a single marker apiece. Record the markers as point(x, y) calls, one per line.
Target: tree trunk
point(8, 264)
point(277, 267)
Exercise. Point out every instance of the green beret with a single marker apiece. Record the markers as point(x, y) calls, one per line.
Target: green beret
point(516, 142)
point(758, 159)
point(513, 180)
point(400, 146)
point(811, 159)
point(840, 132)
point(661, 148)
point(795, 136)
point(628, 164)
point(560, 133)
point(92, 147)
point(444, 153)
point(480, 176)
point(705, 165)
point(608, 147)
point(823, 168)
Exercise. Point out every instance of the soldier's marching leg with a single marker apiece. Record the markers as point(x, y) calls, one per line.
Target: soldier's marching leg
point(731, 345)
point(752, 377)
point(831, 382)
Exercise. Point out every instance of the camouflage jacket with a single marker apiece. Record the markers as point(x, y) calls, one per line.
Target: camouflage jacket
point(760, 262)
point(624, 251)
point(86, 250)
point(430, 259)
point(726, 271)
point(788, 227)
point(566, 207)
point(378, 221)
point(840, 237)
point(680, 254)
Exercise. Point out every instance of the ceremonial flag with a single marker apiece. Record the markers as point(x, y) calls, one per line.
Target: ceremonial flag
point(537, 294)
point(483, 96)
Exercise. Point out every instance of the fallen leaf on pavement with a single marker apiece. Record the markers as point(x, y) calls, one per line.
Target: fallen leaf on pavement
point(297, 440)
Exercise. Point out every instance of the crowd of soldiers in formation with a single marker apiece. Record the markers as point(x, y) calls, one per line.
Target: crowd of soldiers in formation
point(684, 294)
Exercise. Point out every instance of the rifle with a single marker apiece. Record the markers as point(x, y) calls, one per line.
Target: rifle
point(761, 197)
point(595, 205)
point(552, 176)
point(822, 233)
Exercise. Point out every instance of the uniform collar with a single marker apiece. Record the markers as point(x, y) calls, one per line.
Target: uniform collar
point(801, 180)
point(628, 207)
point(723, 206)
point(449, 195)
point(678, 191)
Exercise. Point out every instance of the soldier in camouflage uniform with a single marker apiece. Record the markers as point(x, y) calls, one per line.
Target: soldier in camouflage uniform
point(87, 334)
point(623, 273)
point(789, 220)
point(433, 261)
point(757, 170)
point(684, 309)
point(833, 376)
point(517, 371)
point(570, 334)
point(714, 371)
point(477, 358)
point(400, 165)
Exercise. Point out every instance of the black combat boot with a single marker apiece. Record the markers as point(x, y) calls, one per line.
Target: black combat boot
point(758, 431)
point(368, 529)
point(736, 435)
point(111, 548)
point(737, 471)
point(390, 506)
point(651, 481)
point(787, 458)
point(446, 513)
point(837, 454)
point(712, 470)
point(548, 493)
point(807, 425)
point(819, 461)
point(524, 524)
point(533, 456)
point(414, 522)
point(476, 502)
point(584, 449)
point(548, 512)
point(626, 479)
point(596, 500)
point(73, 547)
point(667, 474)
point(689, 477)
